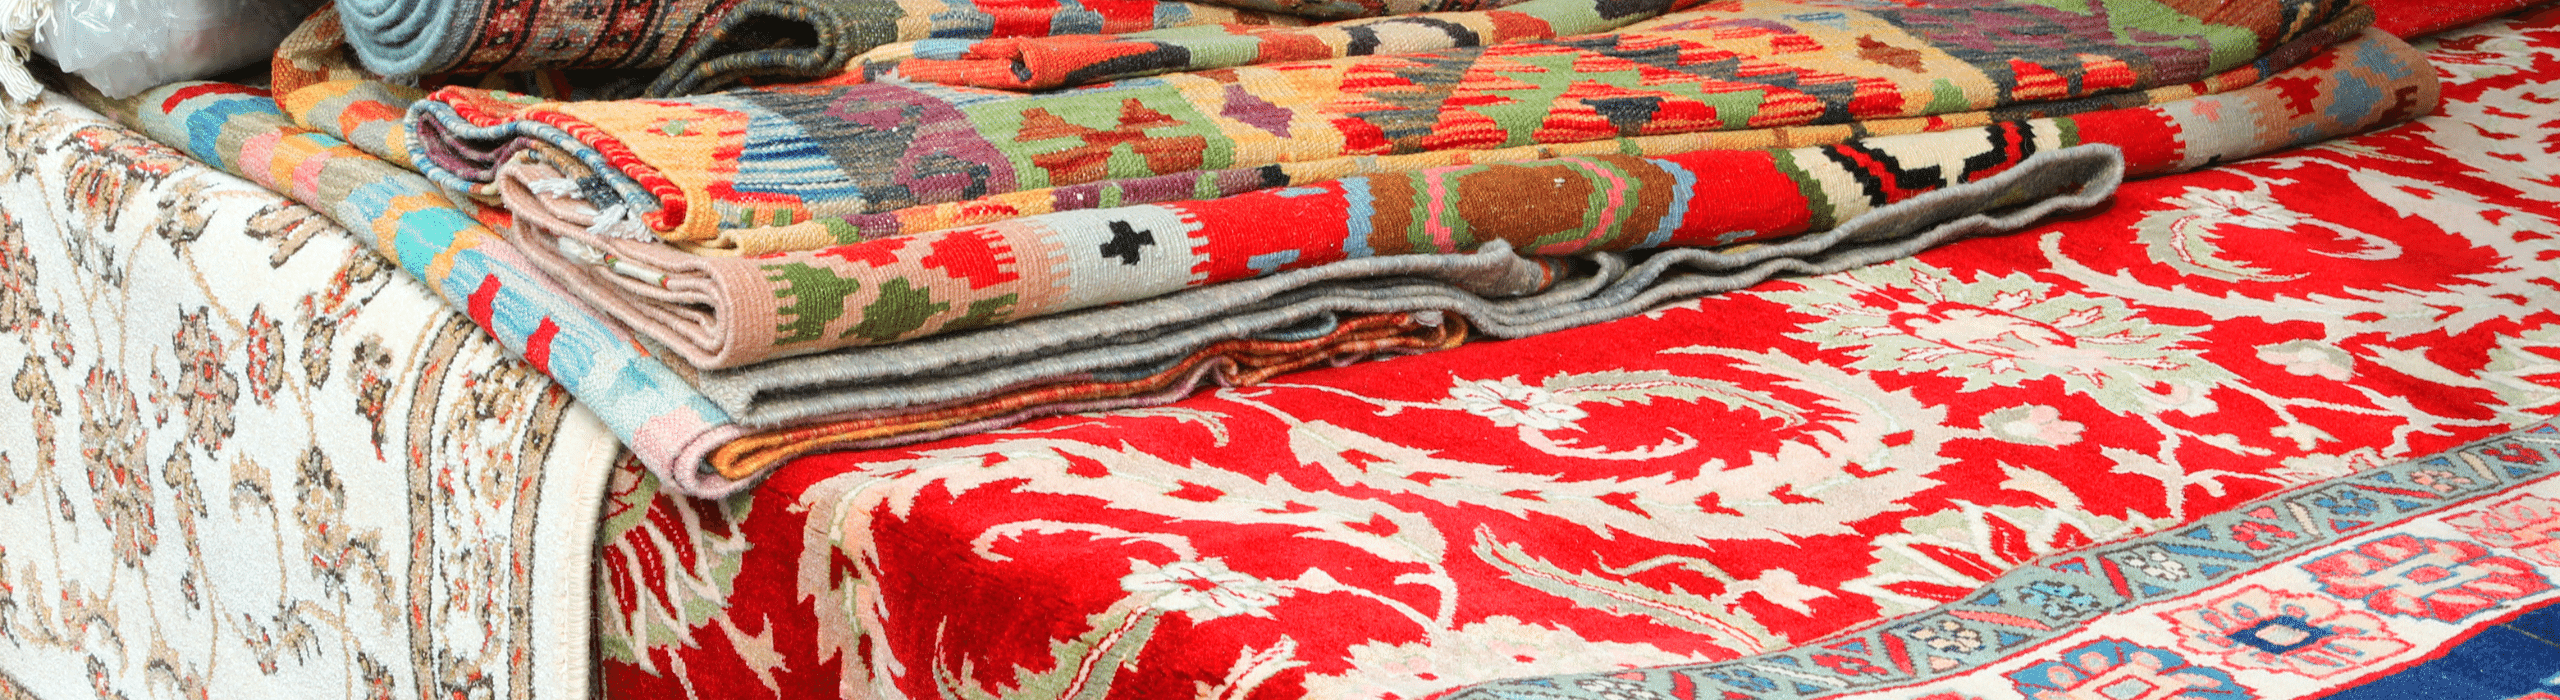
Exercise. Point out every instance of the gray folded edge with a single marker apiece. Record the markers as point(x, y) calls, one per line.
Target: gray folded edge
point(410, 37)
point(1492, 288)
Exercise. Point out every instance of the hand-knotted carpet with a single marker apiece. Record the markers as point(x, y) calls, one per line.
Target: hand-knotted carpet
point(243, 456)
point(2249, 393)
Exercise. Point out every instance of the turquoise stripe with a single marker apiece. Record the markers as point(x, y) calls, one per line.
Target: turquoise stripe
point(1685, 185)
point(205, 125)
point(1363, 206)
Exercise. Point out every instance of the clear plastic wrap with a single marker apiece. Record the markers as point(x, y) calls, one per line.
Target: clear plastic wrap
point(126, 46)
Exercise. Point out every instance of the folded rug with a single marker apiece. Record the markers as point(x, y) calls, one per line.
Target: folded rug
point(1039, 63)
point(707, 45)
point(417, 37)
point(851, 162)
point(720, 311)
point(660, 418)
point(1057, 61)
point(1227, 363)
point(668, 425)
point(676, 441)
point(1592, 289)
point(1611, 286)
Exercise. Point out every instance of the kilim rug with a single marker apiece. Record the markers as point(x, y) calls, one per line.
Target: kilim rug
point(669, 424)
point(848, 163)
point(417, 37)
point(725, 311)
point(1721, 480)
point(1040, 63)
point(706, 45)
point(1226, 363)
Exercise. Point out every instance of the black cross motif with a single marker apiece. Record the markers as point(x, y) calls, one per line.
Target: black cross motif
point(1125, 242)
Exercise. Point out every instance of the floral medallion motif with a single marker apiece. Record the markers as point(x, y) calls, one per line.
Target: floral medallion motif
point(2122, 670)
point(111, 442)
point(2416, 576)
point(2005, 331)
point(2526, 526)
point(1204, 589)
point(2260, 628)
point(1507, 403)
point(206, 389)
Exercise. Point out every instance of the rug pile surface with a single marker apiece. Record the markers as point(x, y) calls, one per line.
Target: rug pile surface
point(2209, 440)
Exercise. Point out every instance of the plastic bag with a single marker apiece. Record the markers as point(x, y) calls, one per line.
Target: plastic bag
point(127, 46)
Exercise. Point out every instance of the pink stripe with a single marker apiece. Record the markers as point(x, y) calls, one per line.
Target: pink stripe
point(1438, 189)
point(306, 174)
point(1608, 214)
point(256, 153)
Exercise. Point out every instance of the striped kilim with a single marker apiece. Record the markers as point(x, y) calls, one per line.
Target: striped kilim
point(722, 311)
point(843, 163)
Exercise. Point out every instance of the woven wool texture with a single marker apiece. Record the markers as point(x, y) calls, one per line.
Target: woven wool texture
point(720, 311)
point(240, 130)
point(1617, 291)
point(676, 430)
point(1059, 61)
point(670, 425)
point(417, 37)
point(794, 40)
point(707, 45)
point(842, 163)
point(1229, 363)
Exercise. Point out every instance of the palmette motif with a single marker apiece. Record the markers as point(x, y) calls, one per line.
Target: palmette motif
point(2053, 417)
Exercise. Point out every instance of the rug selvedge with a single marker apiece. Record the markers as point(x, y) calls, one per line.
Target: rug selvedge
point(2393, 519)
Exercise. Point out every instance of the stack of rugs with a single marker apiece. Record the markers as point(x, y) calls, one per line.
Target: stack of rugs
point(932, 220)
point(881, 241)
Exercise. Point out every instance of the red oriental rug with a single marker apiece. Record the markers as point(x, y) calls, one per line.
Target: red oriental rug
point(2317, 363)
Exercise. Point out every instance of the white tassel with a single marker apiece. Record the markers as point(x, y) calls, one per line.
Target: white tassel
point(20, 21)
point(580, 251)
point(556, 188)
point(617, 222)
point(599, 257)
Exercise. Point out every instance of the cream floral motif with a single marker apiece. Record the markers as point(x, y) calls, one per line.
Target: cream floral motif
point(2006, 331)
point(2304, 358)
point(2483, 132)
point(1507, 403)
point(193, 503)
point(2524, 371)
point(2251, 209)
point(1948, 555)
point(1204, 589)
point(2032, 425)
point(2187, 236)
